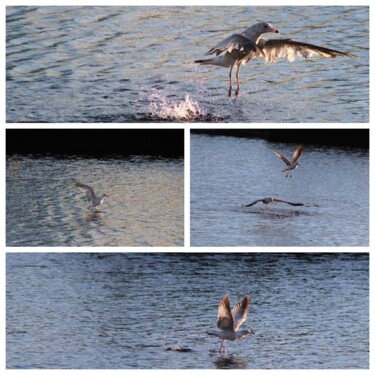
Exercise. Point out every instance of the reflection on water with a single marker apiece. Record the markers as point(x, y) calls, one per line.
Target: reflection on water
point(113, 310)
point(114, 64)
point(226, 172)
point(230, 362)
point(144, 207)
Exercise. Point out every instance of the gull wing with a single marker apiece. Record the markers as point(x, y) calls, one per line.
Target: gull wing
point(282, 157)
point(224, 316)
point(297, 154)
point(236, 42)
point(252, 204)
point(239, 312)
point(87, 189)
point(292, 204)
point(289, 49)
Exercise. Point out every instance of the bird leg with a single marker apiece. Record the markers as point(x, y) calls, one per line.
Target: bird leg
point(222, 350)
point(238, 81)
point(230, 82)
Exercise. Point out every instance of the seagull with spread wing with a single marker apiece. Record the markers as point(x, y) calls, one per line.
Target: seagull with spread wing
point(90, 195)
point(291, 163)
point(271, 200)
point(238, 49)
point(229, 321)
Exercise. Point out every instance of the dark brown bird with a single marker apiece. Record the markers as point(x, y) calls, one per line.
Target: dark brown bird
point(271, 200)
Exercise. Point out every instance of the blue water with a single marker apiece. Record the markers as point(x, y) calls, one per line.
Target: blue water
point(227, 172)
point(123, 311)
point(135, 64)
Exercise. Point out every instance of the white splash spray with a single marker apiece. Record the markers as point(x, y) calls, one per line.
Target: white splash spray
point(170, 109)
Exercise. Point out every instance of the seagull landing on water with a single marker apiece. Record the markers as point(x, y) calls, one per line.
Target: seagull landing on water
point(91, 197)
point(271, 200)
point(292, 164)
point(230, 321)
point(238, 49)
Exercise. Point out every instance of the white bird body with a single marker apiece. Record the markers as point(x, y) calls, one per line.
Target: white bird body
point(238, 49)
point(90, 195)
point(229, 321)
point(291, 163)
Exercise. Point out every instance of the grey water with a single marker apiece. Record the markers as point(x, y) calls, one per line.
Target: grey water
point(227, 172)
point(113, 310)
point(135, 64)
point(144, 207)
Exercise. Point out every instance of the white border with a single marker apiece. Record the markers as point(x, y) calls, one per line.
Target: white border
point(187, 128)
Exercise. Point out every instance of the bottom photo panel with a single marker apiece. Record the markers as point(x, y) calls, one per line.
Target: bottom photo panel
point(187, 310)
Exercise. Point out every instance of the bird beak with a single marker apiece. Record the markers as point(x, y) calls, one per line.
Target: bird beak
point(275, 31)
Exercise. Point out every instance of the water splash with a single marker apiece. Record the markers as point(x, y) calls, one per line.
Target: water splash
point(170, 109)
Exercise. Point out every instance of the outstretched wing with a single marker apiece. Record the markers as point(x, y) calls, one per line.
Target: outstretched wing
point(252, 204)
point(289, 49)
point(239, 312)
point(87, 189)
point(292, 204)
point(282, 157)
point(297, 154)
point(224, 316)
point(236, 42)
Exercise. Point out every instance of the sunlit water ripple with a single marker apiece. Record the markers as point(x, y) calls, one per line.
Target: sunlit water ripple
point(135, 64)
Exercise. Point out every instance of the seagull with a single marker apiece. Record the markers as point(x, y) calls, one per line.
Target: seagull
point(230, 321)
point(238, 49)
point(292, 164)
point(91, 197)
point(271, 200)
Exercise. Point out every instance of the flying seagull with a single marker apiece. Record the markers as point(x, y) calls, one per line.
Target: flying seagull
point(91, 197)
point(271, 200)
point(238, 49)
point(292, 164)
point(229, 321)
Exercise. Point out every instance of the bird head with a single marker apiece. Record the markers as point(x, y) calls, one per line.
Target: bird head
point(267, 28)
point(244, 333)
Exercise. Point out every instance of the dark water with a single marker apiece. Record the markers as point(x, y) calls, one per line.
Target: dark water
point(81, 310)
point(145, 206)
point(135, 64)
point(226, 172)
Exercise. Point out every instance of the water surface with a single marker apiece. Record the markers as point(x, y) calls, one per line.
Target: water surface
point(135, 64)
point(81, 310)
point(226, 172)
point(145, 206)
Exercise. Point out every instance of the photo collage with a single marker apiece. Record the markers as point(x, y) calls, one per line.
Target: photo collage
point(187, 186)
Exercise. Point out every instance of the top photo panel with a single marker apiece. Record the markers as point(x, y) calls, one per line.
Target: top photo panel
point(285, 64)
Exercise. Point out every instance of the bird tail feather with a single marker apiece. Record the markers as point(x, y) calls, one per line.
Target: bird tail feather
point(204, 62)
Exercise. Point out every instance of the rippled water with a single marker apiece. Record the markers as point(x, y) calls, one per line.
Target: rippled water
point(226, 172)
point(80, 310)
point(145, 206)
point(125, 64)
